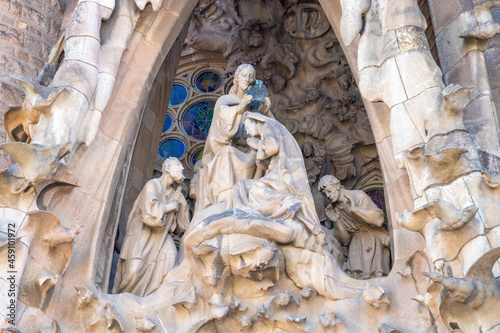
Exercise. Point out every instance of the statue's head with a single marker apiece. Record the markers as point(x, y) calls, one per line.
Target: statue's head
point(278, 83)
point(330, 186)
point(344, 81)
point(307, 149)
point(174, 168)
point(244, 75)
point(253, 126)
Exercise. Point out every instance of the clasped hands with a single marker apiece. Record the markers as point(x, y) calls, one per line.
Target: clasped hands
point(178, 201)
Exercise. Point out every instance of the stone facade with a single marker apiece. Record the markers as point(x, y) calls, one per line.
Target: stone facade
point(391, 95)
point(28, 30)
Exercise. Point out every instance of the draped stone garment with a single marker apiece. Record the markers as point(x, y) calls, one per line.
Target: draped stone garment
point(283, 192)
point(223, 164)
point(148, 251)
point(358, 223)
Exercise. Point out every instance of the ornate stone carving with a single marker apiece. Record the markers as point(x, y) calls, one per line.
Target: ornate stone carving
point(40, 251)
point(466, 306)
point(64, 105)
point(314, 159)
point(247, 261)
point(306, 21)
point(97, 313)
point(312, 90)
point(376, 297)
point(358, 223)
point(148, 252)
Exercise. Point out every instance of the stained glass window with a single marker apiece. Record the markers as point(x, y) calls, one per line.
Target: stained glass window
point(171, 148)
point(178, 95)
point(378, 198)
point(208, 81)
point(197, 119)
point(167, 123)
point(196, 156)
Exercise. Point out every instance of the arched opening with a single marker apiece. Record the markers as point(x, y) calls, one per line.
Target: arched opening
point(315, 94)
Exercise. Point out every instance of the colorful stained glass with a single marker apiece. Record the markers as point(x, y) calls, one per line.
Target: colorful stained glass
point(377, 197)
point(167, 124)
point(207, 81)
point(171, 148)
point(197, 119)
point(178, 95)
point(196, 156)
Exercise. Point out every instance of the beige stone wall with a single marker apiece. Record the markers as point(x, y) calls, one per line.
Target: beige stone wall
point(28, 30)
point(463, 62)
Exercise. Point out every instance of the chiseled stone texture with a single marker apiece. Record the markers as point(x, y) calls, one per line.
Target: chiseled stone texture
point(382, 304)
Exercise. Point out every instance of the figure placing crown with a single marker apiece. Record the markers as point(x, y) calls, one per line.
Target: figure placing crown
point(224, 162)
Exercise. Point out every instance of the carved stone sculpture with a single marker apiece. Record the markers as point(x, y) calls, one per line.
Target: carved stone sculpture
point(223, 163)
point(254, 262)
point(312, 89)
point(282, 192)
point(314, 159)
point(358, 223)
point(267, 222)
point(64, 104)
point(148, 251)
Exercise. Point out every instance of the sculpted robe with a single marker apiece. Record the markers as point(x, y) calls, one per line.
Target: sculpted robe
point(358, 222)
point(148, 252)
point(283, 193)
point(223, 164)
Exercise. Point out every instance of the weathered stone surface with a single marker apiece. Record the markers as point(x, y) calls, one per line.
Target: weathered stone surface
point(252, 262)
point(11, 35)
point(36, 18)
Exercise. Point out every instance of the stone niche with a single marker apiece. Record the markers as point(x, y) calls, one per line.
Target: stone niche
point(312, 89)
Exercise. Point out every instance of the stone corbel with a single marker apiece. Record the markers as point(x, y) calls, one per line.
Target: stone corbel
point(470, 299)
point(484, 28)
point(34, 166)
point(19, 121)
point(451, 218)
